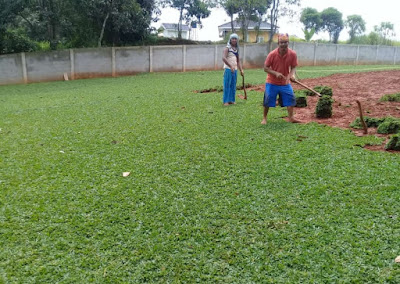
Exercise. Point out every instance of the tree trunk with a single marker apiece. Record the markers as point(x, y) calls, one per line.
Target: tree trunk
point(180, 24)
point(274, 15)
point(102, 30)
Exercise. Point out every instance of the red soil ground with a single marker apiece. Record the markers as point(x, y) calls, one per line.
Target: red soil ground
point(367, 87)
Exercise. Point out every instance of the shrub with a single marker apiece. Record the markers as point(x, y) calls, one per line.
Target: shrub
point(394, 143)
point(390, 98)
point(16, 40)
point(324, 107)
point(390, 126)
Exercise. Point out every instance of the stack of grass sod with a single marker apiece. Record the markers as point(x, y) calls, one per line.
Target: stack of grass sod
point(301, 98)
point(384, 125)
point(324, 105)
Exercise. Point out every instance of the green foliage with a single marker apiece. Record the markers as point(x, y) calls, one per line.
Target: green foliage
point(369, 121)
point(356, 26)
point(324, 90)
point(76, 23)
point(208, 200)
point(16, 40)
point(385, 30)
point(393, 143)
point(311, 19)
point(332, 23)
point(324, 107)
point(389, 126)
point(44, 46)
point(390, 98)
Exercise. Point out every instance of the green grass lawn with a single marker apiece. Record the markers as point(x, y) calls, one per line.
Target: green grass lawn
point(213, 196)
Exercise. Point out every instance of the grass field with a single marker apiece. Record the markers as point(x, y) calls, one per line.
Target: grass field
point(213, 196)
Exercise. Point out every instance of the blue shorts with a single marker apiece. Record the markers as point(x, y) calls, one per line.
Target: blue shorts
point(286, 95)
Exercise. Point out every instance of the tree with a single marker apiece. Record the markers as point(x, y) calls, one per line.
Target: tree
point(385, 30)
point(356, 26)
point(231, 7)
point(279, 8)
point(247, 10)
point(189, 9)
point(8, 12)
point(251, 10)
point(311, 19)
point(332, 22)
point(260, 11)
point(113, 22)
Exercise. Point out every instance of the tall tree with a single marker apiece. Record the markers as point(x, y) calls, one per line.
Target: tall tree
point(248, 12)
point(332, 22)
point(311, 19)
point(356, 26)
point(116, 22)
point(231, 7)
point(260, 11)
point(279, 8)
point(385, 30)
point(189, 9)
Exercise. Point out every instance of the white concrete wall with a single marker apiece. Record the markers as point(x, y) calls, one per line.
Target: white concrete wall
point(116, 61)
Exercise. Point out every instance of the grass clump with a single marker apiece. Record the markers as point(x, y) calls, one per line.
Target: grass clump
point(385, 125)
point(369, 121)
point(394, 143)
point(389, 126)
point(390, 98)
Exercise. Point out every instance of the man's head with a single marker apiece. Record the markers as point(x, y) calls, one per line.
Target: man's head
point(283, 42)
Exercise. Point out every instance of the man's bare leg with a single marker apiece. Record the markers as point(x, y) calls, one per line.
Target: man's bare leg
point(264, 121)
point(291, 117)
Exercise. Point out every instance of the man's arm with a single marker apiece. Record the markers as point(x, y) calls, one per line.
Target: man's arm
point(272, 72)
point(291, 75)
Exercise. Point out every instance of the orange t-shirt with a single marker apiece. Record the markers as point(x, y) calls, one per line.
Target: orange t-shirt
point(281, 64)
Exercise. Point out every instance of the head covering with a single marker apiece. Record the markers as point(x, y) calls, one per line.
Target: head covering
point(228, 45)
point(283, 37)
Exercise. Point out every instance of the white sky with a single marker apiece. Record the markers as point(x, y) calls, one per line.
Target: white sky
point(373, 13)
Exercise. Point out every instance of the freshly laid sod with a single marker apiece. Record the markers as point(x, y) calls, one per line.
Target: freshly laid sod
point(213, 196)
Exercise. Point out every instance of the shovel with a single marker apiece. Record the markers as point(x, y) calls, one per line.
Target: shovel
point(244, 89)
point(307, 87)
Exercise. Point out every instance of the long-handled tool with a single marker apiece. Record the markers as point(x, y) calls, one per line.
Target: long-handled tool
point(307, 87)
point(244, 90)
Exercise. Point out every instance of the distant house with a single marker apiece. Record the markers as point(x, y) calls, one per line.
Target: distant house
point(171, 30)
point(263, 35)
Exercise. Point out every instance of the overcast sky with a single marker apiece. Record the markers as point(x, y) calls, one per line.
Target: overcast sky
point(373, 13)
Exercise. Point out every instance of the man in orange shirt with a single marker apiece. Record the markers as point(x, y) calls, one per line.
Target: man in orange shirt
point(281, 66)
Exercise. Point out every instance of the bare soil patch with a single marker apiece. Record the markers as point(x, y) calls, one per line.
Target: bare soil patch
point(367, 87)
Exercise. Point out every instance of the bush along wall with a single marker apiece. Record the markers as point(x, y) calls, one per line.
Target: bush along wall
point(394, 143)
point(324, 107)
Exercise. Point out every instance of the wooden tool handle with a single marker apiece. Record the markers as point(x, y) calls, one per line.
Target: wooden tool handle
point(307, 87)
